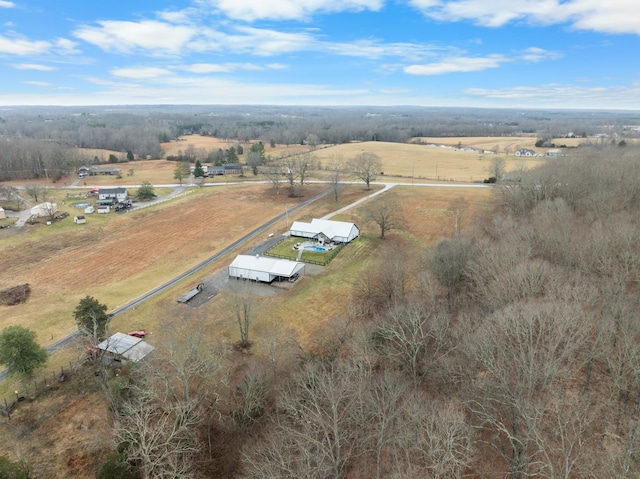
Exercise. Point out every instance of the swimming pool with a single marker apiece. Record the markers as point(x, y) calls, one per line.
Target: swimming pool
point(319, 249)
point(83, 204)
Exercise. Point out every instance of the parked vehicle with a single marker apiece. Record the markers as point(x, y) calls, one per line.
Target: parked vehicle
point(137, 334)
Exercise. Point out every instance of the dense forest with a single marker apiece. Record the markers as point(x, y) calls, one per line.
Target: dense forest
point(41, 141)
point(509, 350)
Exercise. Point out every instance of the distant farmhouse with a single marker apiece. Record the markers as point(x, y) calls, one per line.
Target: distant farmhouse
point(526, 152)
point(325, 231)
point(265, 269)
point(112, 195)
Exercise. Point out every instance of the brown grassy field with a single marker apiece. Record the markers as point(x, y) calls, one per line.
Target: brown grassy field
point(424, 162)
point(209, 143)
point(403, 160)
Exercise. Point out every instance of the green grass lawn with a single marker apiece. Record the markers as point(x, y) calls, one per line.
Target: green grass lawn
point(285, 250)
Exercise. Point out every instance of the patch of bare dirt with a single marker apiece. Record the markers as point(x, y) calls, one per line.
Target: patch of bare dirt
point(16, 295)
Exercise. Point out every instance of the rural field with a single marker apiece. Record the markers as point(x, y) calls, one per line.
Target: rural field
point(130, 254)
point(403, 160)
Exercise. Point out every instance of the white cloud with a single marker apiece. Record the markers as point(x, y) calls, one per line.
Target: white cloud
point(457, 64)
point(124, 37)
point(63, 46)
point(6, 4)
point(535, 55)
point(229, 67)
point(613, 16)
point(140, 73)
point(264, 42)
point(37, 83)
point(569, 96)
point(250, 10)
point(33, 66)
point(22, 46)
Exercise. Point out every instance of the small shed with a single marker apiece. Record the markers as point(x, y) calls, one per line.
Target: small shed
point(89, 209)
point(3, 215)
point(79, 220)
point(335, 231)
point(123, 347)
point(265, 269)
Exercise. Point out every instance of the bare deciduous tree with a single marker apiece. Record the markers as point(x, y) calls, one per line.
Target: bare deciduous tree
point(317, 428)
point(242, 302)
point(415, 336)
point(521, 354)
point(366, 167)
point(386, 213)
point(435, 440)
point(335, 167)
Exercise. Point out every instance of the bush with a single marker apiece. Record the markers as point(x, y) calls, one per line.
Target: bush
point(12, 470)
point(115, 468)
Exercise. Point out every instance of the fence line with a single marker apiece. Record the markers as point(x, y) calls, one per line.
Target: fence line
point(327, 259)
point(33, 387)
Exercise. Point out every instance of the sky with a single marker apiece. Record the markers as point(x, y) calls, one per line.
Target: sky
point(582, 54)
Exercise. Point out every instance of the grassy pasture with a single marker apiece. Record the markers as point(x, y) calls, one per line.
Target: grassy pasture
point(423, 162)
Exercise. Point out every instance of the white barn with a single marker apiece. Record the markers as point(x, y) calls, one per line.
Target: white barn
point(335, 231)
point(264, 268)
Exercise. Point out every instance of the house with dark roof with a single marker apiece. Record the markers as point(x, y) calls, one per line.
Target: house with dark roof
point(526, 152)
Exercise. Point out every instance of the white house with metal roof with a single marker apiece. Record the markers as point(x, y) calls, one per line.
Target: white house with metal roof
point(335, 231)
point(121, 346)
point(265, 269)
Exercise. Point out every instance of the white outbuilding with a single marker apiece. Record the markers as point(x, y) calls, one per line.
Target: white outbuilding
point(123, 347)
point(44, 209)
point(3, 215)
point(334, 231)
point(265, 269)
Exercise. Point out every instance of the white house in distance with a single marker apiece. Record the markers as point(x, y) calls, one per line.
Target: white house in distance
point(118, 194)
point(44, 209)
point(3, 215)
point(325, 230)
point(526, 152)
point(265, 269)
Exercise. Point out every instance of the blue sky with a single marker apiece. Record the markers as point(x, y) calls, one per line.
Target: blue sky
point(479, 53)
